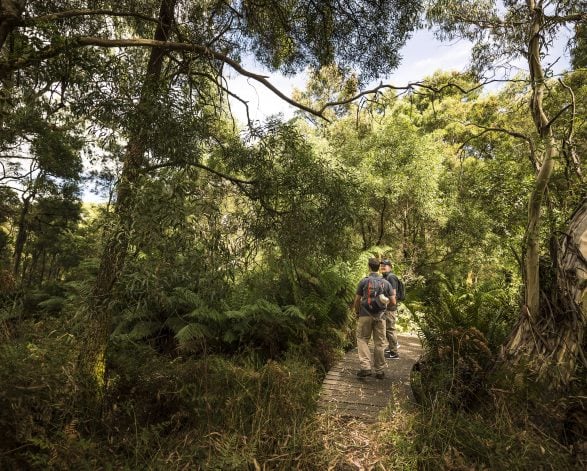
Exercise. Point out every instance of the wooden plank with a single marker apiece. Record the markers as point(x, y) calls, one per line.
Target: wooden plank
point(346, 395)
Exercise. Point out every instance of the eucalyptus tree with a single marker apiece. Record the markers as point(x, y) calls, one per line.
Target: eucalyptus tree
point(501, 33)
point(190, 45)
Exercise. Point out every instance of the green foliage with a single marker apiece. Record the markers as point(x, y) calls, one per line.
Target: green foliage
point(490, 307)
point(44, 400)
point(579, 49)
point(154, 412)
point(499, 437)
point(462, 329)
point(245, 407)
point(367, 35)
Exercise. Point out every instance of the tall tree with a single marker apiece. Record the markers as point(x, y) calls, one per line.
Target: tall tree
point(195, 40)
point(503, 32)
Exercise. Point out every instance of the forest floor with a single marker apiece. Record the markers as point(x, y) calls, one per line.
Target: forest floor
point(358, 415)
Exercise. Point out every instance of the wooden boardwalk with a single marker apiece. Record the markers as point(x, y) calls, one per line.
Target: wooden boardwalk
point(345, 395)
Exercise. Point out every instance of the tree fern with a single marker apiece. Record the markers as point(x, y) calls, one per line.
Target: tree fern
point(53, 304)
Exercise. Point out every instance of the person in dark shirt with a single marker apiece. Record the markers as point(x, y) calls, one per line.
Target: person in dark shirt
point(371, 323)
point(391, 313)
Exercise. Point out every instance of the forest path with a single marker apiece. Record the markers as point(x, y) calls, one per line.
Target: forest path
point(362, 419)
point(343, 394)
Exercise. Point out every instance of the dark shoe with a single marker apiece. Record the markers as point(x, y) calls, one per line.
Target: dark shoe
point(391, 356)
point(380, 375)
point(363, 373)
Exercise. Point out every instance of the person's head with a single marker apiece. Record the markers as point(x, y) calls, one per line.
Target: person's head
point(374, 264)
point(385, 265)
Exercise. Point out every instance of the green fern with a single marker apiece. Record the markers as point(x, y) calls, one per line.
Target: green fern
point(486, 308)
point(53, 304)
point(192, 331)
point(143, 330)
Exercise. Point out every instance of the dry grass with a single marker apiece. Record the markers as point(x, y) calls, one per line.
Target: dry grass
point(351, 444)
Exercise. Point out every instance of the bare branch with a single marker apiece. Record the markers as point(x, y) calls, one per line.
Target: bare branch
point(230, 178)
point(518, 135)
point(84, 12)
point(55, 50)
point(576, 17)
point(412, 86)
point(216, 82)
point(560, 112)
point(199, 49)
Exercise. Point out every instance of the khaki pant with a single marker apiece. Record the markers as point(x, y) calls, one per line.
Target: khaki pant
point(367, 326)
point(390, 318)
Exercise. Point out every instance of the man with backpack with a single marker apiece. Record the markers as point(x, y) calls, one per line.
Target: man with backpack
point(371, 298)
point(391, 311)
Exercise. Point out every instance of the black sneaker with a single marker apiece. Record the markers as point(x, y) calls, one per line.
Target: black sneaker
point(391, 356)
point(380, 375)
point(363, 373)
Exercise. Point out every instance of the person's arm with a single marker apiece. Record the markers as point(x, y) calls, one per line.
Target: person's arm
point(357, 304)
point(392, 298)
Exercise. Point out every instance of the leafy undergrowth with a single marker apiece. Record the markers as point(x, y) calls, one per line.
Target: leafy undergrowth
point(214, 412)
point(156, 412)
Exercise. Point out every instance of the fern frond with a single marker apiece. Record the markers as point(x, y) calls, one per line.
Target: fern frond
point(175, 323)
point(294, 312)
point(186, 296)
point(205, 314)
point(192, 331)
point(142, 330)
point(53, 304)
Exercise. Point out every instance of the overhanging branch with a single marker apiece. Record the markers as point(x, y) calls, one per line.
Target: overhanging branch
point(199, 49)
point(509, 132)
point(230, 178)
point(62, 15)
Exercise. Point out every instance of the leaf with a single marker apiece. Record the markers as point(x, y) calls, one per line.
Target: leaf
point(53, 304)
point(193, 331)
point(143, 329)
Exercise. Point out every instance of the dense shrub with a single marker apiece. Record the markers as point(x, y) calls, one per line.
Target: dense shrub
point(210, 412)
point(462, 328)
point(44, 402)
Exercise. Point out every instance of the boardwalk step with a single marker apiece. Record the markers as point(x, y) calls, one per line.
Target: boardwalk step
point(346, 395)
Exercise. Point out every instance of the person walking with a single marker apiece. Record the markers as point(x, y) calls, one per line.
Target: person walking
point(371, 297)
point(391, 312)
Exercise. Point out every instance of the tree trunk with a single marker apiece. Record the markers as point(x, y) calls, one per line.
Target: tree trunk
point(21, 236)
point(549, 333)
point(10, 15)
point(114, 254)
point(532, 240)
point(571, 283)
point(51, 275)
point(43, 267)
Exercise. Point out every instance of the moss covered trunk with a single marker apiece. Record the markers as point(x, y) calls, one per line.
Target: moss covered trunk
point(115, 249)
